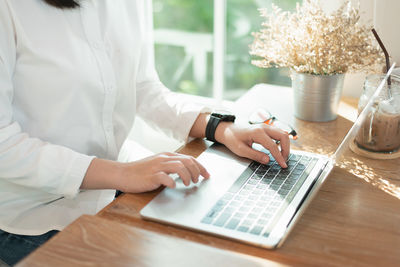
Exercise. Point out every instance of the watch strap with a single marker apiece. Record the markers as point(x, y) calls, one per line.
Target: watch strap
point(215, 119)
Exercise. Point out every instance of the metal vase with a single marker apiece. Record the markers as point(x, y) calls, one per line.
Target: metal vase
point(316, 97)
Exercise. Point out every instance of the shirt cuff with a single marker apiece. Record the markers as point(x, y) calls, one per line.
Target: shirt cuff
point(187, 119)
point(75, 174)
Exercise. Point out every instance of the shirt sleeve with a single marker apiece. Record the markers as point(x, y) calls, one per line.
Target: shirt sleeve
point(25, 160)
point(157, 105)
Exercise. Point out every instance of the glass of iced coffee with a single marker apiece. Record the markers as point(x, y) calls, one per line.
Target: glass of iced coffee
point(380, 131)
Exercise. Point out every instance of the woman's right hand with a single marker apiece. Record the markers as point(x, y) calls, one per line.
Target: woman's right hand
point(143, 175)
point(152, 172)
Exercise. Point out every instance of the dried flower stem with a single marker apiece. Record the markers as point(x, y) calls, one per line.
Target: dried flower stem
point(311, 41)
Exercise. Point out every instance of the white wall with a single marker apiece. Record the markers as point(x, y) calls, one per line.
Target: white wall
point(385, 16)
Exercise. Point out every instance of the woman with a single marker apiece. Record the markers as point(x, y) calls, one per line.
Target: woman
point(72, 78)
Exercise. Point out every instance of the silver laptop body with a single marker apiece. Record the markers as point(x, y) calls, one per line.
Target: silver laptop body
point(206, 206)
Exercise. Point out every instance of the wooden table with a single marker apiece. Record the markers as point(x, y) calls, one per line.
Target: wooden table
point(353, 221)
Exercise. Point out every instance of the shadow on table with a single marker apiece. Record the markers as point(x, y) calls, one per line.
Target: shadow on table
point(325, 137)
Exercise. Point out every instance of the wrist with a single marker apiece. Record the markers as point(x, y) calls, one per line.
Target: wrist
point(222, 131)
point(218, 121)
point(104, 174)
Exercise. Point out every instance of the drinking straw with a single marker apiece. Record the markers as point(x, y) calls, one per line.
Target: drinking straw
point(389, 82)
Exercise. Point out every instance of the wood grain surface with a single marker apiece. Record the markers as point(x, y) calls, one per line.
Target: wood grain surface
point(92, 241)
point(354, 220)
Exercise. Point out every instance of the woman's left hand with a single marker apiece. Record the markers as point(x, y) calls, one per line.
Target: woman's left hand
point(239, 140)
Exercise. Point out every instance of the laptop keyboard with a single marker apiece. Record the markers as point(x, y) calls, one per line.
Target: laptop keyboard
point(260, 195)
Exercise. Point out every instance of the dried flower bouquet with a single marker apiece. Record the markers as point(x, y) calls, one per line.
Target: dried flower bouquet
point(311, 41)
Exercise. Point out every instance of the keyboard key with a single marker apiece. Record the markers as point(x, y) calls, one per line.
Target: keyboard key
point(232, 224)
point(207, 220)
point(264, 167)
point(262, 222)
point(269, 176)
point(222, 202)
point(295, 157)
point(222, 219)
point(249, 187)
point(249, 203)
point(257, 192)
point(284, 171)
point(283, 192)
point(217, 208)
point(257, 176)
point(290, 181)
point(256, 230)
point(244, 209)
point(239, 198)
point(300, 166)
point(252, 215)
point(266, 234)
point(277, 182)
point(262, 186)
point(290, 167)
point(265, 181)
point(272, 209)
point(274, 187)
point(256, 210)
point(235, 203)
point(260, 172)
point(253, 197)
point(212, 214)
point(262, 204)
point(227, 196)
point(252, 181)
point(286, 187)
point(275, 203)
point(247, 222)
point(266, 215)
point(273, 171)
point(296, 173)
point(243, 229)
point(269, 192)
point(230, 209)
point(244, 192)
point(254, 165)
point(240, 181)
point(239, 215)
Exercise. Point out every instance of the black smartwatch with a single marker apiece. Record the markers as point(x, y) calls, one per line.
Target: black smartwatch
point(215, 119)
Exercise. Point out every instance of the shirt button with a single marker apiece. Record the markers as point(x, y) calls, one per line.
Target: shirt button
point(97, 45)
point(109, 89)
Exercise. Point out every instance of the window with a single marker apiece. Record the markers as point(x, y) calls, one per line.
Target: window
point(200, 55)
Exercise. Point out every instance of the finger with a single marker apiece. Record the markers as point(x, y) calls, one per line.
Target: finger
point(283, 138)
point(176, 166)
point(253, 154)
point(166, 180)
point(267, 143)
point(194, 170)
point(202, 170)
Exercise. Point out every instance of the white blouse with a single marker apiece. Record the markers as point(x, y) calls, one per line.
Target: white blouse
point(71, 83)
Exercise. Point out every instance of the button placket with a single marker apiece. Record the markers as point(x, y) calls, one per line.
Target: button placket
point(91, 25)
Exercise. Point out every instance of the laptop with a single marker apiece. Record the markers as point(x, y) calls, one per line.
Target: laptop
point(247, 201)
